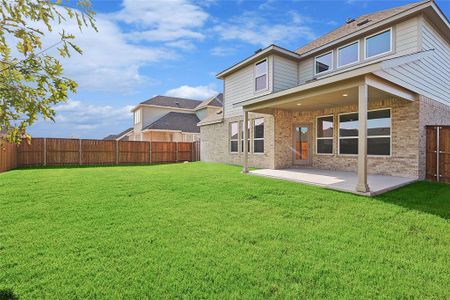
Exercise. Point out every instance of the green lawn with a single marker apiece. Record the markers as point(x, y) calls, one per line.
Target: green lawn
point(207, 231)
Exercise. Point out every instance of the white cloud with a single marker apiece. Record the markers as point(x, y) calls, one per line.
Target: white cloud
point(160, 20)
point(255, 30)
point(201, 92)
point(223, 51)
point(83, 116)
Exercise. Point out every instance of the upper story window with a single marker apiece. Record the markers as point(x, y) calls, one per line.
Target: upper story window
point(348, 54)
point(137, 116)
point(323, 63)
point(261, 78)
point(378, 43)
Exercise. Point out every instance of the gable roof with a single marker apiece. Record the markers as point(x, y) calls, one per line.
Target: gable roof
point(352, 27)
point(173, 102)
point(185, 122)
point(116, 136)
point(213, 101)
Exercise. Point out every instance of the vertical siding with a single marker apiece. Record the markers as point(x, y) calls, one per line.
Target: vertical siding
point(284, 73)
point(305, 70)
point(239, 86)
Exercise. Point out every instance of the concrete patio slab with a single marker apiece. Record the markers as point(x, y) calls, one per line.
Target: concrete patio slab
point(336, 180)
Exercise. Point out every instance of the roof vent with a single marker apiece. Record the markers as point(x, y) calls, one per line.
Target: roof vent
point(363, 22)
point(177, 103)
point(349, 20)
point(257, 51)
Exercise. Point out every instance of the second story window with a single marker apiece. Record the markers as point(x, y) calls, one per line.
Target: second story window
point(261, 75)
point(348, 54)
point(323, 63)
point(137, 116)
point(378, 44)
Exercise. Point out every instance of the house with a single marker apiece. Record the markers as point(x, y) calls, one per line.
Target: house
point(169, 119)
point(356, 99)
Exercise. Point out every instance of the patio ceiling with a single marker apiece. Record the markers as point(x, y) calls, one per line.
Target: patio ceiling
point(336, 94)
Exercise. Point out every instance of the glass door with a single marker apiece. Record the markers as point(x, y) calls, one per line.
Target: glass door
point(302, 145)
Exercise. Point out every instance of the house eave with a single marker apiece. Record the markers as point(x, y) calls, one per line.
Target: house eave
point(272, 49)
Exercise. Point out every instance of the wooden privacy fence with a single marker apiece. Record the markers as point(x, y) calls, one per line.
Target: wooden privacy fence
point(8, 157)
point(438, 153)
point(60, 152)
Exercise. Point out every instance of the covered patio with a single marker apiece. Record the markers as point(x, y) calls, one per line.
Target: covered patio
point(336, 180)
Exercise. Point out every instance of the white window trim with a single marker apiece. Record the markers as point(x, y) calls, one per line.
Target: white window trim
point(368, 137)
point(257, 139)
point(267, 76)
point(137, 116)
point(332, 63)
point(379, 54)
point(241, 137)
point(352, 63)
point(233, 140)
point(324, 138)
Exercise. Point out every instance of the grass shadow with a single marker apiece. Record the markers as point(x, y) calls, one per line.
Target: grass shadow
point(424, 196)
point(8, 294)
point(94, 166)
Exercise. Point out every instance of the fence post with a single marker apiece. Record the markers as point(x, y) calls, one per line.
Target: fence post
point(176, 152)
point(438, 151)
point(45, 152)
point(150, 153)
point(117, 152)
point(80, 152)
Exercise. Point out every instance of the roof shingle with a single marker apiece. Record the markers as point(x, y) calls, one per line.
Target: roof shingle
point(173, 102)
point(176, 121)
point(353, 27)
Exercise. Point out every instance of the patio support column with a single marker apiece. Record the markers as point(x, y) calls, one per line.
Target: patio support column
point(362, 138)
point(245, 137)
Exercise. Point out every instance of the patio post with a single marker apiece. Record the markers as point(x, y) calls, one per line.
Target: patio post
point(245, 130)
point(362, 185)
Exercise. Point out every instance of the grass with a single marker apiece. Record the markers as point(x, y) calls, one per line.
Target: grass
point(206, 231)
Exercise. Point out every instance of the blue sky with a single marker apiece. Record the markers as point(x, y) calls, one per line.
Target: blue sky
point(146, 48)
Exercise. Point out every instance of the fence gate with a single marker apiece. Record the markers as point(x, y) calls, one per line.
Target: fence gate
point(438, 153)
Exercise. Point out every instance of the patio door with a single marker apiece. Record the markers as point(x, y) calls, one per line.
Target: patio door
point(302, 145)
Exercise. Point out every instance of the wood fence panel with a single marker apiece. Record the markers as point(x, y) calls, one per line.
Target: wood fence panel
point(438, 153)
point(31, 154)
point(444, 158)
point(134, 152)
point(185, 152)
point(98, 152)
point(62, 152)
point(163, 152)
point(431, 153)
point(8, 156)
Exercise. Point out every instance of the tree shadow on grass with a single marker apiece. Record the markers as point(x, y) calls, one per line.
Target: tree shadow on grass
point(424, 196)
point(8, 294)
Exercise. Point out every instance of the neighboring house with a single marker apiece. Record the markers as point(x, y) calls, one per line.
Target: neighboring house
point(169, 119)
point(123, 136)
point(357, 98)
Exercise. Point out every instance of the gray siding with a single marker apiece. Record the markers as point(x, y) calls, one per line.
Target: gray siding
point(430, 75)
point(305, 70)
point(407, 36)
point(239, 86)
point(284, 73)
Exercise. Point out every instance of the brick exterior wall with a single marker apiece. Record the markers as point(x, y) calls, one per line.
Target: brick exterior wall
point(431, 113)
point(408, 138)
point(215, 143)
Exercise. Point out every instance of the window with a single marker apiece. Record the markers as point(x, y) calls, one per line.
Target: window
point(137, 116)
point(323, 63)
point(261, 75)
point(324, 135)
point(348, 54)
point(378, 44)
point(258, 135)
point(234, 137)
point(242, 135)
point(378, 133)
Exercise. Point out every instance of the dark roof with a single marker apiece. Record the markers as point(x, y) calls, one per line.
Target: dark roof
point(176, 121)
point(116, 136)
point(173, 102)
point(213, 101)
point(352, 27)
